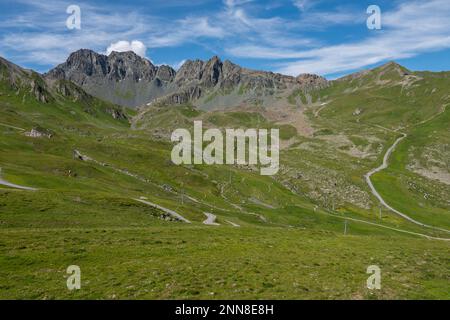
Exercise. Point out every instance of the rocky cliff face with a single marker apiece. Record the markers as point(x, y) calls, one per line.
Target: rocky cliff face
point(213, 83)
point(127, 79)
point(225, 75)
point(122, 77)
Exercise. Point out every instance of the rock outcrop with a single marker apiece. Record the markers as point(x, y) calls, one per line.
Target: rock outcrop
point(38, 132)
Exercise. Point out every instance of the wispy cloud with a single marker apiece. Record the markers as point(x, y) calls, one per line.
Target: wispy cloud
point(39, 35)
point(304, 5)
point(412, 28)
point(48, 41)
point(46, 38)
point(291, 44)
point(185, 30)
point(319, 20)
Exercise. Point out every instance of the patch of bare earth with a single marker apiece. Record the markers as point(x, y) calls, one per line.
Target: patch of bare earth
point(343, 144)
point(434, 173)
point(433, 163)
point(293, 117)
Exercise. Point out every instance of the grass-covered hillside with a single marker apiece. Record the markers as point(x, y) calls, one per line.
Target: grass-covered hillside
point(308, 232)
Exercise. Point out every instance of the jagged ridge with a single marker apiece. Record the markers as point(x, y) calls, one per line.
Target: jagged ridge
point(129, 80)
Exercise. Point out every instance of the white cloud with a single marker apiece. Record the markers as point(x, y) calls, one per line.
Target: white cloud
point(122, 46)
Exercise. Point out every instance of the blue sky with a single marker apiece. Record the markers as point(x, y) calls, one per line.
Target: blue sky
point(326, 37)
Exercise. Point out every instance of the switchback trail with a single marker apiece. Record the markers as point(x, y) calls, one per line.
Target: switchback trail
point(168, 211)
point(383, 166)
point(210, 219)
point(12, 185)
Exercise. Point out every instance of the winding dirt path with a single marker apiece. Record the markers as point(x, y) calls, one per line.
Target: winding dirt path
point(383, 166)
point(12, 185)
point(10, 126)
point(84, 157)
point(210, 219)
point(233, 224)
point(168, 211)
point(322, 106)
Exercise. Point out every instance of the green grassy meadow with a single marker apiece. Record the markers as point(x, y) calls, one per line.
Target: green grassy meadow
point(302, 234)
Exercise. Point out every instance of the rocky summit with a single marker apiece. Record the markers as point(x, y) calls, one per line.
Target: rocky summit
point(123, 78)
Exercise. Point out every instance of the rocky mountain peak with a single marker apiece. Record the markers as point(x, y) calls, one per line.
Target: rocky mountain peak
point(117, 66)
point(121, 77)
point(166, 73)
point(212, 73)
point(123, 65)
point(88, 62)
point(208, 73)
point(393, 66)
point(190, 70)
point(10, 70)
point(388, 71)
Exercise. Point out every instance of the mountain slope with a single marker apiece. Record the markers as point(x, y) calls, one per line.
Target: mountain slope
point(314, 222)
point(27, 93)
point(16, 78)
point(364, 113)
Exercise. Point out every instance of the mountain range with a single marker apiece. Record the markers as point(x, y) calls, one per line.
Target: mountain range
point(129, 80)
